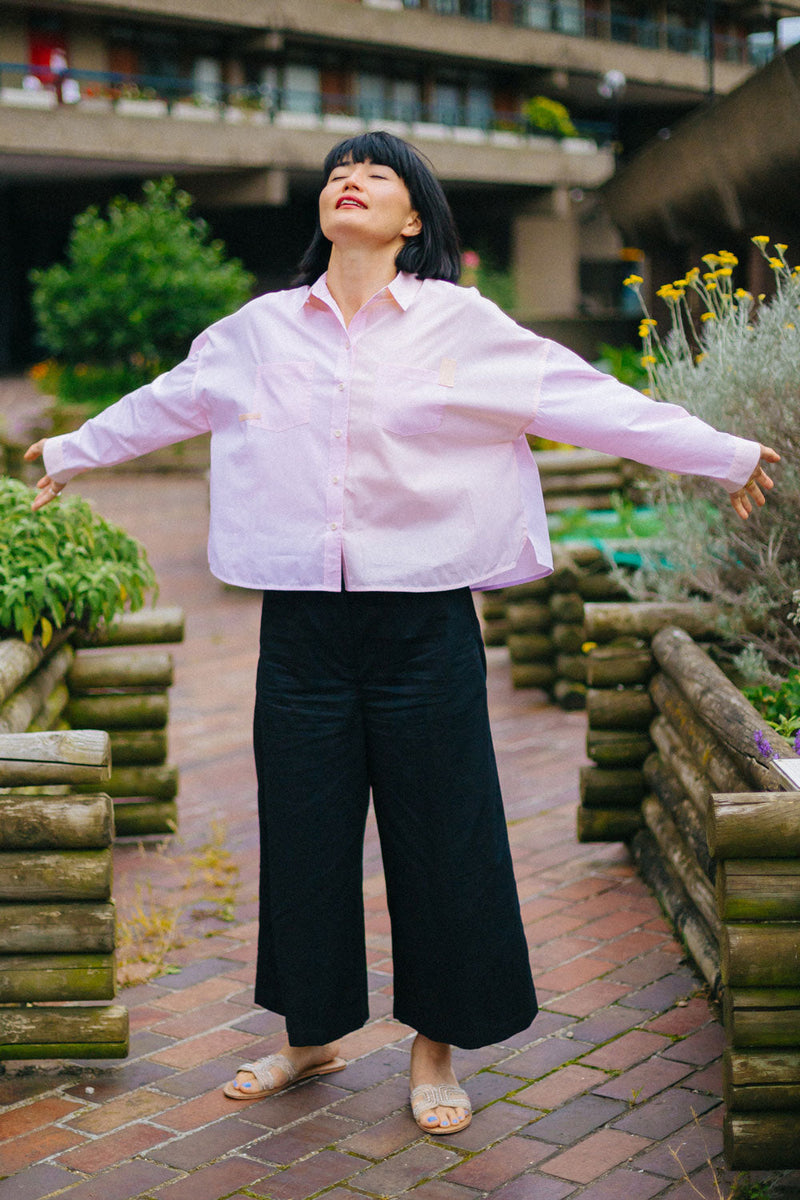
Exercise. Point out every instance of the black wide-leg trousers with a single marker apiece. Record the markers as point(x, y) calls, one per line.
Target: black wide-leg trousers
point(383, 692)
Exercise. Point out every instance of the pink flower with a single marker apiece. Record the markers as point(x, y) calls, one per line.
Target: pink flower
point(471, 259)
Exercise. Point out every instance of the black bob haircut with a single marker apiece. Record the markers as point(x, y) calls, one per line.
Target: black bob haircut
point(433, 253)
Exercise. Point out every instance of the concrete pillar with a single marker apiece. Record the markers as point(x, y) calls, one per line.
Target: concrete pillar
point(546, 257)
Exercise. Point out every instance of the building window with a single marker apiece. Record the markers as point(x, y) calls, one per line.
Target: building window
point(404, 100)
point(207, 80)
point(371, 97)
point(382, 99)
point(478, 107)
point(300, 92)
point(446, 108)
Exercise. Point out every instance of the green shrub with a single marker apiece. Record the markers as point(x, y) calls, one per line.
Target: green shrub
point(734, 360)
point(64, 565)
point(624, 363)
point(136, 286)
point(779, 704)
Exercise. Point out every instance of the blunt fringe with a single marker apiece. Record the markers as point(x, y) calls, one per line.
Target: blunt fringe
point(433, 253)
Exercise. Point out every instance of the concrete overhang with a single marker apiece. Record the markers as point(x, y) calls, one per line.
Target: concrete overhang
point(67, 143)
point(732, 167)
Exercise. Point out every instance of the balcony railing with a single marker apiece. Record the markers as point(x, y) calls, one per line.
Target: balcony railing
point(576, 20)
point(26, 86)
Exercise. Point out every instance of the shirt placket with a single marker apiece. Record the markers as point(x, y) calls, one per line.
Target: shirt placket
point(337, 459)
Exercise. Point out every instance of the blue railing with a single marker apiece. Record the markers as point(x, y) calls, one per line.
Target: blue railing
point(116, 91)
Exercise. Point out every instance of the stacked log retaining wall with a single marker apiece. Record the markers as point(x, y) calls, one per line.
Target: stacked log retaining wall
point(57, 921)
point(107, 682)
point(677, 772)
point(119, 683)
point(542, 622)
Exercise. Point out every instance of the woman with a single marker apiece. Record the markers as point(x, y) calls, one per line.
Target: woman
point(368, 468)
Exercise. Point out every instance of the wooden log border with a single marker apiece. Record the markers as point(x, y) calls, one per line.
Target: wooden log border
point(57, 919)
point(718, 839)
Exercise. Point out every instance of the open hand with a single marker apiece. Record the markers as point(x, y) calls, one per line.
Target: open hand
point(48, 488)
point(742, 500)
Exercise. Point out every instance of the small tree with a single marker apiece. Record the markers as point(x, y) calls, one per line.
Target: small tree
point(136, 286)
point(734, 360)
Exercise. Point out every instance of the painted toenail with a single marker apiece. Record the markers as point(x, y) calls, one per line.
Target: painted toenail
point(444, 1123)
point(431, 1120)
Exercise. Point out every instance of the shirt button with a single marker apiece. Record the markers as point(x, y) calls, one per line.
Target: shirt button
point(337, 433)
point(334, 525)
point(335, 479)
point(340, 387)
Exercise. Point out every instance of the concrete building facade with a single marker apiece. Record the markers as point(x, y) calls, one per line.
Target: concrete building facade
point(241, 101)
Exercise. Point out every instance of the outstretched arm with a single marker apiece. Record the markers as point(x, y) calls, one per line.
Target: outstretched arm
point(741, 500)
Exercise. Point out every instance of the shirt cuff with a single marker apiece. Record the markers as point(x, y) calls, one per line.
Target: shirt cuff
point(53, 458)
point(746, 457)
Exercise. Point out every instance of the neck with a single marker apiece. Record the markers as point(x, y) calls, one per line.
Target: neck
point(355, 275)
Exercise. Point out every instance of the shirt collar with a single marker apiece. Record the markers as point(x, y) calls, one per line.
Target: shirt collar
point(402, 290)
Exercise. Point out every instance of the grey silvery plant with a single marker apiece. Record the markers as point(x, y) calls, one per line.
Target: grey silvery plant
point(733, 359)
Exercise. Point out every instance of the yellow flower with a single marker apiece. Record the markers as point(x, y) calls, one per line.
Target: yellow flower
point(781, 246)
point(652, 323)
point(710, 260)
point(776, 264)
point(728, 259)
point(647, 359)
point(698, 358)
point(633, 281)
point(692, 275)
point(725, 272)
point(741, 294)
point(708, 316)
point(711, 284)
point(760, 239)
point(587, 646)
point(788, 325)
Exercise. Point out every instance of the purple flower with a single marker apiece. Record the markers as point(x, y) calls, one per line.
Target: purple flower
point(763, 746)
point(797, 742)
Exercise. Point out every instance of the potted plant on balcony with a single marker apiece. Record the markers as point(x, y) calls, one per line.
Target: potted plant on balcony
point(546, 118)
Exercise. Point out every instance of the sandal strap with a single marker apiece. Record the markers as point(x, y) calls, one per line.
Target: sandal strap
point(446, 1095)
point(262, 1068)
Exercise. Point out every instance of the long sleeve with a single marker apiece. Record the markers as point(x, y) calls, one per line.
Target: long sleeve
point(584, 407)
point(158, 414)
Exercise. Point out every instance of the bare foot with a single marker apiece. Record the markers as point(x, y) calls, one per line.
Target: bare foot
point(431, 1064)
point(301, 1057)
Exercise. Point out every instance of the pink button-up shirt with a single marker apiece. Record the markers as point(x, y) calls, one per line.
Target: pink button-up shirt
point(393, 449)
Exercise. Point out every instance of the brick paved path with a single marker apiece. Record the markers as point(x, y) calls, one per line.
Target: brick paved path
point(613, 1094)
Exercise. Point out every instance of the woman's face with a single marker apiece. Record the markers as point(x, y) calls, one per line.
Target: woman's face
point(367, 204)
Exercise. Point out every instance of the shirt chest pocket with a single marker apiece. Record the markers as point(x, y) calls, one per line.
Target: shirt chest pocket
point(281, 397)
point(408, 400)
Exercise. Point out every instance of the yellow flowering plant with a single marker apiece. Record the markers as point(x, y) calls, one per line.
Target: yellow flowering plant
point(732, 359)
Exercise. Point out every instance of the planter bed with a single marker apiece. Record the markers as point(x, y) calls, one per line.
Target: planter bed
point(677, 774)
